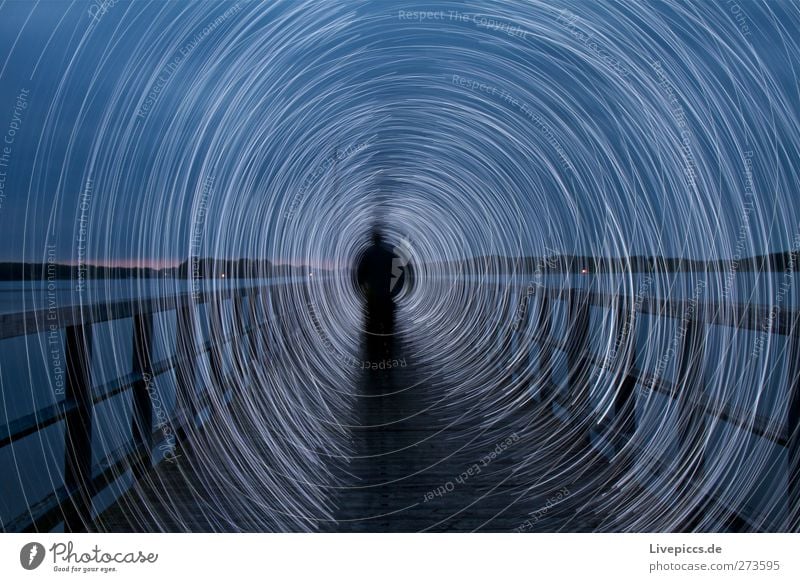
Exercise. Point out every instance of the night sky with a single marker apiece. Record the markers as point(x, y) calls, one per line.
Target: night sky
point(144, 132)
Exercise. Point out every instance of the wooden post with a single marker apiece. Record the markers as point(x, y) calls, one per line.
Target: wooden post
point(266, 308)
point(242, 339)
point(577, 376)
point(793, 421)
point(515, 331)
point(544, 326)
point(215, 316)
point(689, 385)
point(269, 324)
point(522, 340)
point(142, 420)
point(256, 338)
point(78, 429)
point(504, 338)
point(624, 425)
point(186, 349)
point(273, 327)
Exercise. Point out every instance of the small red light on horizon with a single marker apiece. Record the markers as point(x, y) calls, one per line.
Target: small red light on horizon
point(584, 271)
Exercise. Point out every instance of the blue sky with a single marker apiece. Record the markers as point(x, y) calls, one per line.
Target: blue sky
point(510, 127)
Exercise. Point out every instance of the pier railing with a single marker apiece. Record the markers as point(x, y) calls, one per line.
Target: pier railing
point(94, 471)
point(613, 428)
point(210, 332)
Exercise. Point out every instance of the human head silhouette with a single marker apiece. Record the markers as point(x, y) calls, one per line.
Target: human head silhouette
point(376, 236)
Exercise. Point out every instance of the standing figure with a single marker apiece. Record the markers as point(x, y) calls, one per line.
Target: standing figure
point(374, 273)
point(382, 274)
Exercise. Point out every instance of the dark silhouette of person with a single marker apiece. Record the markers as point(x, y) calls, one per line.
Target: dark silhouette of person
point(381, 275)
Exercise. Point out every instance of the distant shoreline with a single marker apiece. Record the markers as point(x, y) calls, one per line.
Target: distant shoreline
point(774, 262)
point(205, 268)
point(208, 268)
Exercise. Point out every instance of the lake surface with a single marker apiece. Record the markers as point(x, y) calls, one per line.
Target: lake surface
point(770, 289)
point(18, 296)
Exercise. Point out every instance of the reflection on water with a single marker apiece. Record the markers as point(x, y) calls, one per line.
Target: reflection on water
point(17, 296)
point(777, 288)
